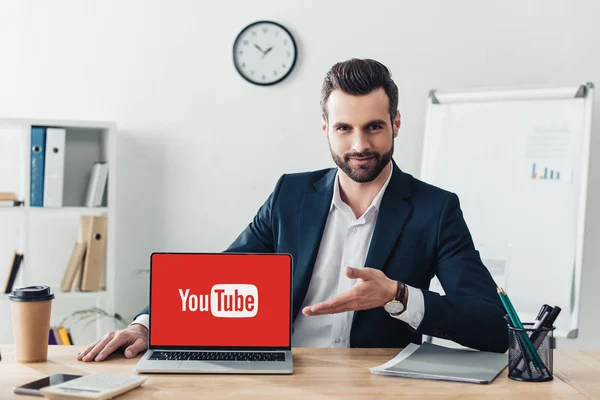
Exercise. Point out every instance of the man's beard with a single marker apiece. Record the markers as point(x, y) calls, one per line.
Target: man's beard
point(363, 173)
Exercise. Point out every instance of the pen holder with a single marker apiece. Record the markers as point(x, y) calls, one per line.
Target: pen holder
point(523, 363)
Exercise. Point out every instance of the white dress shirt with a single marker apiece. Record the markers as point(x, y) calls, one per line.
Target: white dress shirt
point(345, 242)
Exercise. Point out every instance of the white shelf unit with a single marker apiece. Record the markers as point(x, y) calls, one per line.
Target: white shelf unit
point(46, 235)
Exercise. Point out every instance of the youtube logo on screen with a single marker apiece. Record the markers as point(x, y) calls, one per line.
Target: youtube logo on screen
point(225, 301)
point(220, 300)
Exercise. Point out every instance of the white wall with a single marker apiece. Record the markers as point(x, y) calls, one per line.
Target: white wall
point(200, 148)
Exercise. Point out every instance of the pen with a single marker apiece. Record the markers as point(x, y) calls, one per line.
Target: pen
point(552, 317)
point(544, 308)
point(544, 312)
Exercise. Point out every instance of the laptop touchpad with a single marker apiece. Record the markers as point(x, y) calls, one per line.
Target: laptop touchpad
point(207, 366)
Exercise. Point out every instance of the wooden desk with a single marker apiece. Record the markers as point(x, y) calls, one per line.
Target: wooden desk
point(319, 374)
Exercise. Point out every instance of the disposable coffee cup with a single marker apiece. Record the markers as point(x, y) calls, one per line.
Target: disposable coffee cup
point(31, 307)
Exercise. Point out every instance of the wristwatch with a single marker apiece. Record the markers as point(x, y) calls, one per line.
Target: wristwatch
point(397, 305)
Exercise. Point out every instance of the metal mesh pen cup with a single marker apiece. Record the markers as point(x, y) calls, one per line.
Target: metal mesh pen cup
point(530, 360)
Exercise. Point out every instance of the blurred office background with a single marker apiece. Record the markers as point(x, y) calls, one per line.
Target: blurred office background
point(198, 149)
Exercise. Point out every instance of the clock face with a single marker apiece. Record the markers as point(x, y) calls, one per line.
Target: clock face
point(264, 53)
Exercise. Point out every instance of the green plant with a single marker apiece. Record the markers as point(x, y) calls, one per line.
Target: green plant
point(91, 314)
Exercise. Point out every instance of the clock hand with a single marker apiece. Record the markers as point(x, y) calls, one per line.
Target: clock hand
point(268, 50)
point(258, 47)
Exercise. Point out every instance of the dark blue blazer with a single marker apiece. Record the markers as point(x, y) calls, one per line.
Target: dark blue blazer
point(420, 232)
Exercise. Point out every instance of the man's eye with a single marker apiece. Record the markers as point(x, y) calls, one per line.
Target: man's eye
point(374, 127)
point(343, 128)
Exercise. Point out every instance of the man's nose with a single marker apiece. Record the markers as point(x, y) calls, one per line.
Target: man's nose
point(360, 142)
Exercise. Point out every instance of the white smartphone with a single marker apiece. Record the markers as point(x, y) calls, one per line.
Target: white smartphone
point(33, 388)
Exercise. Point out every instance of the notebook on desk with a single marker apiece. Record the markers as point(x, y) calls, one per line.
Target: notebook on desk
point(429, 361)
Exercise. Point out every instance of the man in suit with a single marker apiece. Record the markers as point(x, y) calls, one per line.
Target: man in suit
point(366, 239)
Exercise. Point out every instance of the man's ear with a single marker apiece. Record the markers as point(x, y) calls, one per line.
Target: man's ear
point(397, 124)
point(324, 126)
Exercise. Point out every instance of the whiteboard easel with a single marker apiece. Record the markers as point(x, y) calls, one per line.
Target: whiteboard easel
point(518, 159)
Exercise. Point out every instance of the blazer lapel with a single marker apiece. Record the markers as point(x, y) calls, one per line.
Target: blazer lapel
point(312, 218)
point(394, 212)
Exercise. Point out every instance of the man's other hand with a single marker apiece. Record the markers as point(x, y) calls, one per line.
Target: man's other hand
point(134, 339)
point(372, 289)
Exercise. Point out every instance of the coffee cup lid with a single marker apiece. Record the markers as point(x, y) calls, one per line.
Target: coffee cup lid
point(31, 293)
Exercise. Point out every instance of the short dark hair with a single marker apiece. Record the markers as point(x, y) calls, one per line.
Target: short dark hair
point(359, 77)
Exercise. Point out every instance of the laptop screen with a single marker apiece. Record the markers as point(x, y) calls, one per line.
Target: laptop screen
point(220, 300)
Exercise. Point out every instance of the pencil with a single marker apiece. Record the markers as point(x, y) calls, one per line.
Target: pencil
point(532, 355)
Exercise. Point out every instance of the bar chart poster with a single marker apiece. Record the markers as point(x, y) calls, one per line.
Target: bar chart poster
point(549, 153)
point(542, 172)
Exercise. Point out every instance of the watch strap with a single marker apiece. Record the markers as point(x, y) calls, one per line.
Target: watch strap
point(399, 291)
point(402, 293)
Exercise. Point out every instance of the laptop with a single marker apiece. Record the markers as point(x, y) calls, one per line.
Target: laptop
point(225, 313)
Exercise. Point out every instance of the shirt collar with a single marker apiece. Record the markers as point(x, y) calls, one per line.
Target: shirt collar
point(337, 201)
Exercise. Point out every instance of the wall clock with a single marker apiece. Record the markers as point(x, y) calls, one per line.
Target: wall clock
point(264, 53)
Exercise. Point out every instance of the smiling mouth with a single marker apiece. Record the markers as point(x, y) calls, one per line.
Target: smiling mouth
point(363, 159)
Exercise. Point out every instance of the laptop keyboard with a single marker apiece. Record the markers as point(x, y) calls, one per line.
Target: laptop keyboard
point(217, 356)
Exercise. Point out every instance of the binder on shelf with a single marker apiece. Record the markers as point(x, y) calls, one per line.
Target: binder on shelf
point(97, 185)
point(95, 252)
point(54, 169)
point(75, 264)
point(12, 273)
point(38, 151)
point(51, 337)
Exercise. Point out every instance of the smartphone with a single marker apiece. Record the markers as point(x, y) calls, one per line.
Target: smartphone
point(33, 388)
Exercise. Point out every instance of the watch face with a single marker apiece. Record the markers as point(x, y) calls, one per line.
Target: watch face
point(264, 53)
point(394, 307)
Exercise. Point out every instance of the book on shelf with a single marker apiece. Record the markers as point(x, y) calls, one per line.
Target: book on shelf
point(12, 273)
point(56, 335)
point(60, 335)
point(97, 185)
point(76, 285)
point(8, 196)
point(64, 337)
point(86, 264)
point(10, 203)
point(75, 265)
point(9, 199)
point(51, 337)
